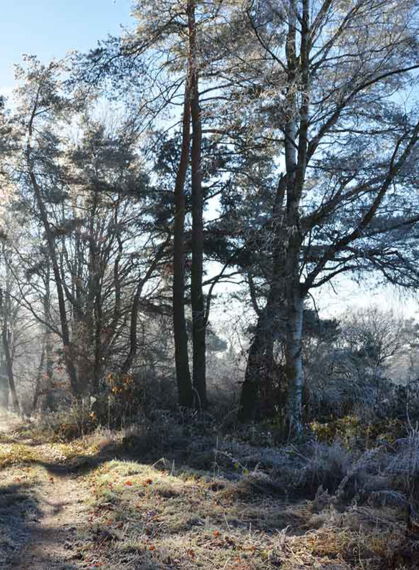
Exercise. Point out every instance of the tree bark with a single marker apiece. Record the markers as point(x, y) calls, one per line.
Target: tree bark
point(260, 363)
point(37, 391)
point(197, 296)
point(4, 384)
point(256, 361)
point(6, 336)
point(296, 161)
point(9, 367)
point(294, 360)
point(183, 376)
point(48, 401)
point(133, 341)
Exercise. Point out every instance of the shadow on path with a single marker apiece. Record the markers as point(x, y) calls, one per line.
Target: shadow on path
point(19, 510)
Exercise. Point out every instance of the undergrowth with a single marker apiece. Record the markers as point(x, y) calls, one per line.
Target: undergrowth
point(173, 492)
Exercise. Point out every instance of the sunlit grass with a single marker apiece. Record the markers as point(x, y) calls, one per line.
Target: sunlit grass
point(167, 516)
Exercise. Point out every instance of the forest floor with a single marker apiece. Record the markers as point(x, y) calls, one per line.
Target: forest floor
point(90, 504)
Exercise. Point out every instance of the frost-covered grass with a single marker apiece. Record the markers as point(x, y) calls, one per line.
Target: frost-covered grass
point(199, 501)
point(147, 517)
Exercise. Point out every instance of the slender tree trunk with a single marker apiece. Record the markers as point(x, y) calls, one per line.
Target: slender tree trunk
point(197, 296)
point(8, 359)
point(183, 376)
point(65, 329)
point(125, 368)
point(133, 341)
point(48, 401)
point(93, 357)
point(98, 357)
point(38, 382)
point(9, 367)
point(4, 384)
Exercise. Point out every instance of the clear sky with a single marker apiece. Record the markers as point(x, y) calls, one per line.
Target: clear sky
point(50, 28)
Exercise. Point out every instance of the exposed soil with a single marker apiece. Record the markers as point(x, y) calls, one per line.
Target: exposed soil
point(52, 537)
point(41, 511)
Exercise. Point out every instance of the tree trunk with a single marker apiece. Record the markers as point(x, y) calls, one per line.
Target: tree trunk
point(294, 361)
point(262, 393)
point(296, 161)
point(4, 384)
point(197, 296)
point(9, 367)
point(49, 401)
point(183, 376)
point(133, 341)
point(249, 396)
point(48, 347)
point(8, 360)
point(283, 303)
point(94, 309)
point(38, 381)
point(260, 363)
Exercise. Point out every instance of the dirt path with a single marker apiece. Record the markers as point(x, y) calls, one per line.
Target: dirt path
point(47, 511)
point(53, 537)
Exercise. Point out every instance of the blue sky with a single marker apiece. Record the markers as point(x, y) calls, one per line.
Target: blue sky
point(50, 28)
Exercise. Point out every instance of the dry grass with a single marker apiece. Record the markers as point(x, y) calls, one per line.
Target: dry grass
point(143, 517)
point(153, 519)
point(167, 517)
point(26, 447)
